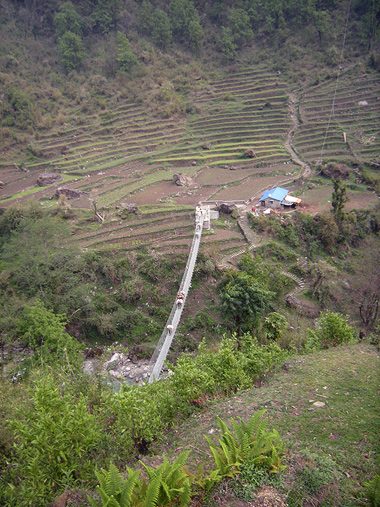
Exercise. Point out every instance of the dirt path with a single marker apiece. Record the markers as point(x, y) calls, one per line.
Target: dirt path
point(305, 168)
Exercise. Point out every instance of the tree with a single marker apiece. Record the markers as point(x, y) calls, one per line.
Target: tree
point(366, 290)
point(322, 272)
point(44, 332)
point(339, 199)
point(184, 22)
point(161, 33)
point(327, 230)
point(146, 18)
point(229, 47)
point(239, 24)
point(126, 58)
point(67, 20)
point(243, 299)
point(106, 13)
point(195, 36)
point(369, 305)
point(71, 49)
point(321, 21)
point(40, 265)
point(57, 440)
point(16, 108)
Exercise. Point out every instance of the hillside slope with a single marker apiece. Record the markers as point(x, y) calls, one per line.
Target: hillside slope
point(336, 444)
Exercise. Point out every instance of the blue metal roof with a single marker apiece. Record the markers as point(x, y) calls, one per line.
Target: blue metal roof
point(278, 194)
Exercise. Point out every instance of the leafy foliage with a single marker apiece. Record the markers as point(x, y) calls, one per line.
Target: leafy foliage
point(275, 325)
point(244, 300)
point(162, 33)
point(71, 49)
point(113, 490)
point(67, 20)
point(333, 329)
point(106, 13)
point(56, 443)
point(172, 482)
point(16, 108)
point(125, 56)
point(44, 332)
point(185, 24)
point(240, 28)
point(339, 199)
point(168, 484)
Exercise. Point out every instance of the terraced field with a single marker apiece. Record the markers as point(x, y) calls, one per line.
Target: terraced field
point(239, 112)
point(344, 129)
point(124, 154)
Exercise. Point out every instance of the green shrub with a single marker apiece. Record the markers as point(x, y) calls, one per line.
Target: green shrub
point(334, 329)
point(56, 444)
point(274, 325)
point(113, 489)
point(251, 443)
point(372, 491)
point(169, 484)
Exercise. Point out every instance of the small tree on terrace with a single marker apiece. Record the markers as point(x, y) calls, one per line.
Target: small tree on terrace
point(339, 199)
point(244, 300)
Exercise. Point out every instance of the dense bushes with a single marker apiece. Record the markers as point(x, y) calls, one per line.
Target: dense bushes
point(96, 293)
point(320, 233)
point(73, 423)
point(57, 444)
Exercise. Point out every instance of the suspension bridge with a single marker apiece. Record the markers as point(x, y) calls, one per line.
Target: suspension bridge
point(202, 220)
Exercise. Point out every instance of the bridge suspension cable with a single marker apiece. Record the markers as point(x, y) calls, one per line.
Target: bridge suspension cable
point(340, 67)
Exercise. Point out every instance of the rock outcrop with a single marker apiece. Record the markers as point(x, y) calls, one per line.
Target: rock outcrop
point(46, 179)
point(250, 153)
point(182, 180)
point(129, 206)
point(226, 208)
point(69, 192)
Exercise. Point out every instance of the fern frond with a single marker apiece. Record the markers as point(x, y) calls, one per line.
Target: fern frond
point(218, 460)
point(255, 423)
point(164, 492)
point(152, 493)
point(174, 470)
point(93, 502)
point(125, 497)
point(114, 481)
point(222, 425)
point(239, 431)
point(185, 497)
point(150, 472)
